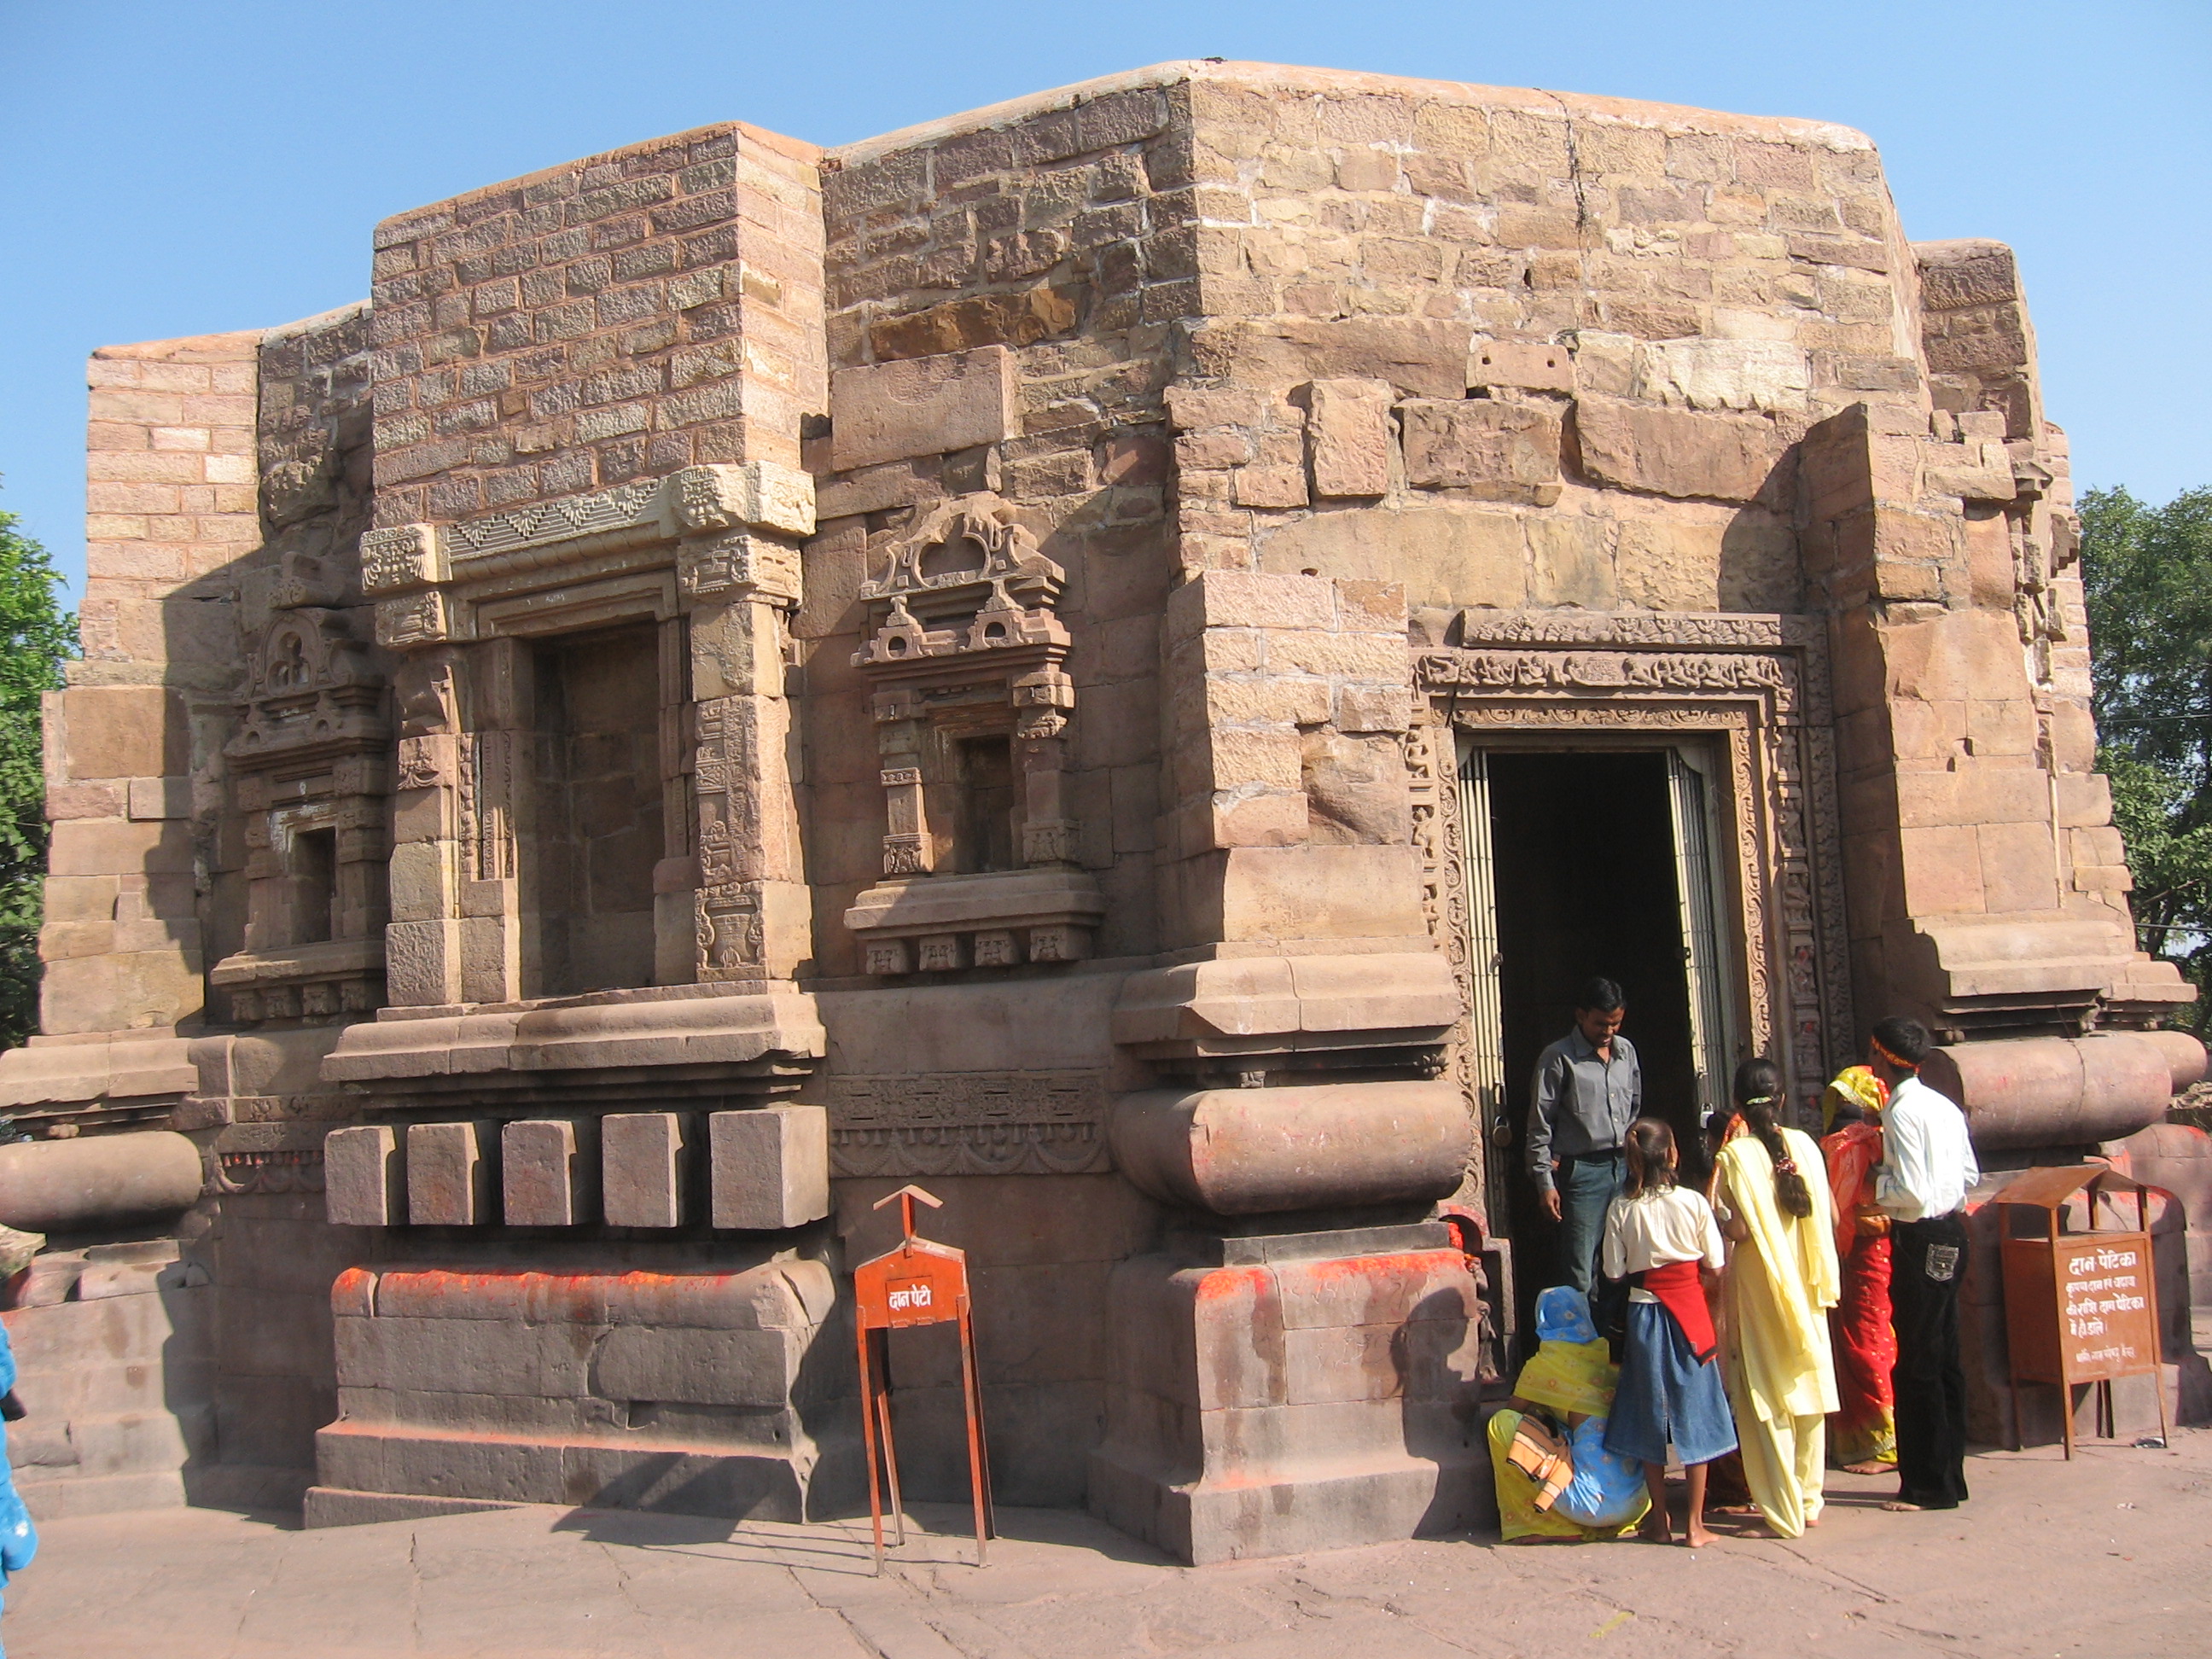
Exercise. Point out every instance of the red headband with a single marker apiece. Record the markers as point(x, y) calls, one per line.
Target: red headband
point(1883, 1050)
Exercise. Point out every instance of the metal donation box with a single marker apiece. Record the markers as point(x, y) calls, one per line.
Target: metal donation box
point(2078, 1307)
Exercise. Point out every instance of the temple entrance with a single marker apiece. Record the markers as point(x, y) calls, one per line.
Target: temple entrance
point(1593, 862)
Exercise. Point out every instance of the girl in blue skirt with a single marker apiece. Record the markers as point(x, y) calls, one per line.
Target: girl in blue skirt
point(1662, 1238)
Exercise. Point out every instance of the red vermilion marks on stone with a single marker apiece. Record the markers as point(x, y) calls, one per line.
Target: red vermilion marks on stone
point(1223, 1284)
point(354, 1288)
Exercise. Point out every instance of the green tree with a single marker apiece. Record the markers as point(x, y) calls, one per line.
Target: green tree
point(36, 637)
point(2148, 573)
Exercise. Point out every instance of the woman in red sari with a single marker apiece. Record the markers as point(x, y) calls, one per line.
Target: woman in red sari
point(1863, 1434)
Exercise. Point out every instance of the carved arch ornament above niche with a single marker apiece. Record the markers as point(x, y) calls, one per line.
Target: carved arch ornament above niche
point(971, 701)
point(1758, 685)
point(309, 683)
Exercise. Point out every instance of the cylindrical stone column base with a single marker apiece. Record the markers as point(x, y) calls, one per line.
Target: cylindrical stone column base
point(1255, 1151)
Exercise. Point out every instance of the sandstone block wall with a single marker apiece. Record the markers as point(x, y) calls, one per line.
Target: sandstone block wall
point(171, 508)
point(1056, 243)
point(582, 326)
point(1673, 293)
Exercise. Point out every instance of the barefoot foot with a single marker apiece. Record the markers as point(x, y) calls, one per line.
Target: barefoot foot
point(1869, 1468)
point(1697, 1537)
point(1655, 1531)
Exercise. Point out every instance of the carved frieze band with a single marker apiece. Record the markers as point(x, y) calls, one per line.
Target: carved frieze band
point(292, 1170)
point(1637, 629)
point(969, 1123)
point(1582, 672)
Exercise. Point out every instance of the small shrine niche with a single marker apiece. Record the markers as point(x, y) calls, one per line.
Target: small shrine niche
point(310, 774)
point(972, 702)
point(594, 796)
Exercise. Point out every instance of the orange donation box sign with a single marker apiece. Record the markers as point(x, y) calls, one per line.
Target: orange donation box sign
point(2078, 1307)
point(920, 1282)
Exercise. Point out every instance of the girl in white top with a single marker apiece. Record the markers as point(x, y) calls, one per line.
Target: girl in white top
point(1657, 1226)
point(1663, 1237)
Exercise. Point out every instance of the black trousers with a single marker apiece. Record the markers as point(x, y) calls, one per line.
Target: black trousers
point(1928, 1263)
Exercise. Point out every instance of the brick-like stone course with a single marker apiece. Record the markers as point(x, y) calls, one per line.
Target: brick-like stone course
point(623, 317)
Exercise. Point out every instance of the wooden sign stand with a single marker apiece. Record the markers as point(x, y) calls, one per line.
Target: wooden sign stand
point(919, 1282)
point(2078, 1307)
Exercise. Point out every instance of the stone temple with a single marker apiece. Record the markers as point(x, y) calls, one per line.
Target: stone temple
point(1115, 656)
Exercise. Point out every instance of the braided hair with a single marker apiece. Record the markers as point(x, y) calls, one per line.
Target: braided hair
point(1758, 1086)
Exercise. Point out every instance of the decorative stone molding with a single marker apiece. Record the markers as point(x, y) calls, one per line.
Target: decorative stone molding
point(1641, 629)
point(287, 1170)
point(701, 1042)
point(415, 620)
point(735, 528)
point(934, 924)
point(307, 981)
point(406, 556)
point(1255, 1151)
point(1241, 1012)
point(1758, 685)
point(697, 500)
point(969, 1123)
point(967, 650)
point(130, 1080)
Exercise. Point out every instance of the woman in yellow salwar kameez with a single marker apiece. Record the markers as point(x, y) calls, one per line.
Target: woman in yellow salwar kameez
point(1781, 1279)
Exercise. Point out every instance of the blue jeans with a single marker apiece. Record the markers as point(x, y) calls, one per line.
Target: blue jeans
point(1588, 1185)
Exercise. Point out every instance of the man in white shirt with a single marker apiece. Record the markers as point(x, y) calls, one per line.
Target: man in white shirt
point(1928, 1167)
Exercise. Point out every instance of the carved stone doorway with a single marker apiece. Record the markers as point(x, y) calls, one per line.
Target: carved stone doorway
point(1598, 862)
point(1747, 694)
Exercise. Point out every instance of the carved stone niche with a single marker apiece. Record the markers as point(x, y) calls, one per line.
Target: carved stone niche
point(310, 772)
point(971, 702)
point(598, 903)
point(647, 621)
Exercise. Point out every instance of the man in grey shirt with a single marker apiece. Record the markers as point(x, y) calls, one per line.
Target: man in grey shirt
point(1588, 1089)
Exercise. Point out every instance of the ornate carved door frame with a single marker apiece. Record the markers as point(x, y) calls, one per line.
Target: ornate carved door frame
point(1755, 686)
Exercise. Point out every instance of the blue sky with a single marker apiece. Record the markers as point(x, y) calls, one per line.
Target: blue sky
point(173, 169)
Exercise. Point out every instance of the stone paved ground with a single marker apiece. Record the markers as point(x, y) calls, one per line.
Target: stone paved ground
point(2112, 1556)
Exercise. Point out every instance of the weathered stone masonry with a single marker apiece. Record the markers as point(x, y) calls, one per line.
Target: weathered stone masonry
point(1000, 654)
